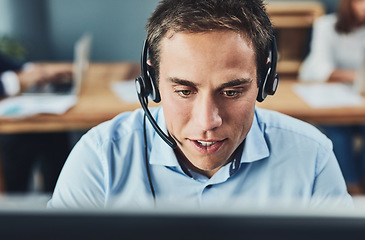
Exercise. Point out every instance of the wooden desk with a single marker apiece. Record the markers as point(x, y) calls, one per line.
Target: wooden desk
point(97, 103)
point(287, 102)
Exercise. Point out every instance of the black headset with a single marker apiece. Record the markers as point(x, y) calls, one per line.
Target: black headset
point(146, 85)
point(269, 84)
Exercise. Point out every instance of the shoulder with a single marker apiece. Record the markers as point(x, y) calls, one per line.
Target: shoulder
point(324, 29)
point(328, 20)
point(295, 139)
point(279, 125)
point(325, 24)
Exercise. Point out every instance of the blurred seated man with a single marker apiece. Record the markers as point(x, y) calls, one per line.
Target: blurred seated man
point(20, 152)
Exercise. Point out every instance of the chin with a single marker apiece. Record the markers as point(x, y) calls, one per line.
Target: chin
point(208, 166)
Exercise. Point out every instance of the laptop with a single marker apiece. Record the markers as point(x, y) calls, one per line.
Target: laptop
point(68, 86)
point(359, 83)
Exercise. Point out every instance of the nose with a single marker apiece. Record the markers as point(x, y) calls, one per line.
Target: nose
point(207, 113)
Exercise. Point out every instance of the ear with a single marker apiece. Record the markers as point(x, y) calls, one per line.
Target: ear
point(149, 62)
point(268, 60)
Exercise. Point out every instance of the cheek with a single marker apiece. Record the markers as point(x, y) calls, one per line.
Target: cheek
point(176, 114)
point(244, 117)
point(241, 118)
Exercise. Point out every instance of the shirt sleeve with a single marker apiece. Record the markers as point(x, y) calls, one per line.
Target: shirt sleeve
point(9, 82)
point(81, 182)
point(319, 64)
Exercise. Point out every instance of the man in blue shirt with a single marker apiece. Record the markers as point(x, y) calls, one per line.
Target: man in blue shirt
point(208, 62)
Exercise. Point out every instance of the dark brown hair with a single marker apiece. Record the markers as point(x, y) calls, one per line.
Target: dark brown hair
point(247, 17)
point(346, 19)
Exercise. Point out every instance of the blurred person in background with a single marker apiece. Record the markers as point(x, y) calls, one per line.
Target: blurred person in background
point(337, 51)
point(21, 152)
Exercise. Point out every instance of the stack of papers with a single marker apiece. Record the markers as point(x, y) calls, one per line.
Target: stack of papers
point(24, 106)
point(324, 95)
point(125, 90)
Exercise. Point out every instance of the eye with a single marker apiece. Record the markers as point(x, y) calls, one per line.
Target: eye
point(230, 93)
point(184, 93)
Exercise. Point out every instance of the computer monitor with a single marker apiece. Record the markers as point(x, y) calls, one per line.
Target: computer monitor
point(181, 224)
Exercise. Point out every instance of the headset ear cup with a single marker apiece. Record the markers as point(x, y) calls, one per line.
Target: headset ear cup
point(270, 83)
point(154, 93)
point(148, 76)
point(273, 77)
point(268, 86)
point(139, 86)
point(261, 95)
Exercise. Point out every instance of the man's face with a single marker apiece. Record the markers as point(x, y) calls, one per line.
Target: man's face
point(208, 90)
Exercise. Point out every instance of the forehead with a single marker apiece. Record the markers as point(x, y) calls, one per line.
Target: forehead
point(199, 54)
point(207, 38)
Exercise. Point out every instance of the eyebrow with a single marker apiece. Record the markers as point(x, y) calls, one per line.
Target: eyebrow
point(182, 82)
point(236, 82)
point(233, 83)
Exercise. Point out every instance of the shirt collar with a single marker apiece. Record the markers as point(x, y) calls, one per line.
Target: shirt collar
point(161, 153)
point(255, 147)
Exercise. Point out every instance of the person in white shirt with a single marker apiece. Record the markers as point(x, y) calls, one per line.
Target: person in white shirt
point(337, 50)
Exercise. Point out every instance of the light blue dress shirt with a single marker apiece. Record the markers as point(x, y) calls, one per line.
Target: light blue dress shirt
point(283, 160)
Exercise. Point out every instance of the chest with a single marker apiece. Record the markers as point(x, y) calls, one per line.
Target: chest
point(255, 183)
point(349, 50)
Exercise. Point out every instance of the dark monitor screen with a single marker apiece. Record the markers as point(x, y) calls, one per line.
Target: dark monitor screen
point(177, 225)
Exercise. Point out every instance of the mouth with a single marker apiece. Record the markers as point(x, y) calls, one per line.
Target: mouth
point(207, 146)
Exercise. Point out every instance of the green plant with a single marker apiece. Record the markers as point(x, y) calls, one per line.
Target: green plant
point(12, 47)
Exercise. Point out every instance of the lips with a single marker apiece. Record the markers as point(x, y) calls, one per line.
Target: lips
point(207, 146)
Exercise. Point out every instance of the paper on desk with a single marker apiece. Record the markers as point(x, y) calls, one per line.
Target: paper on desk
point(324, 95)
point(125, 90)
point(24, 106)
